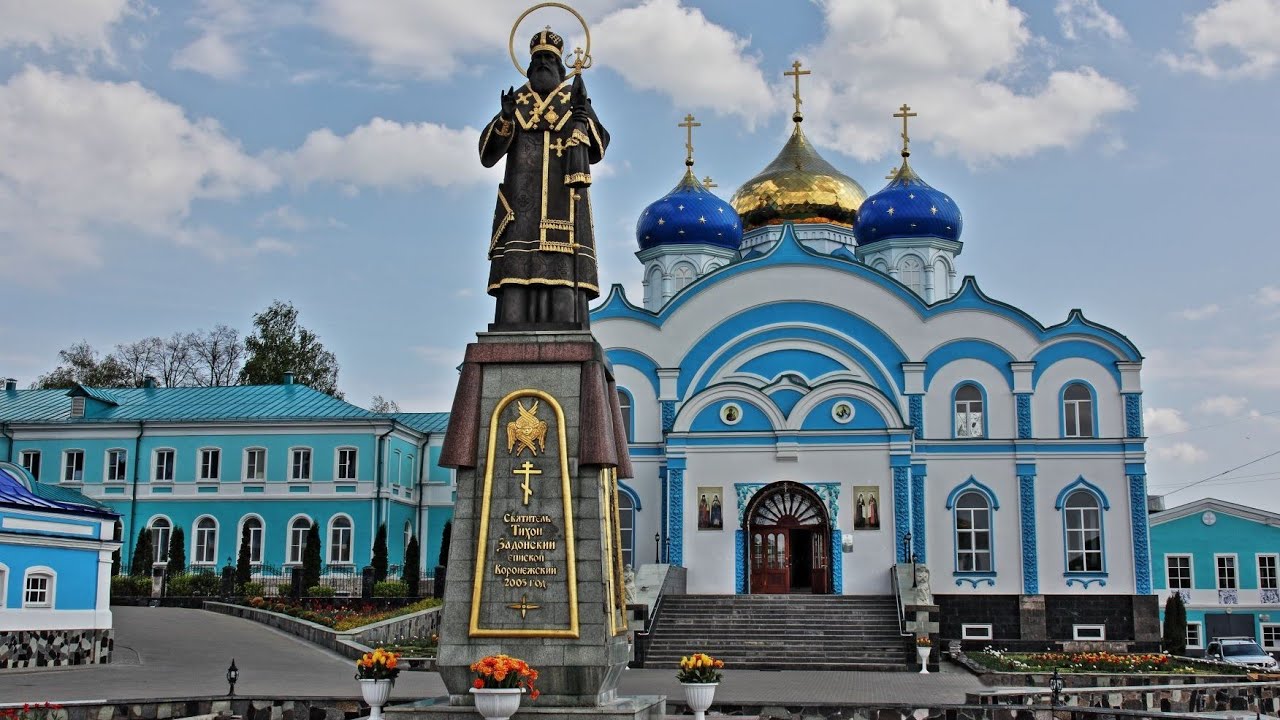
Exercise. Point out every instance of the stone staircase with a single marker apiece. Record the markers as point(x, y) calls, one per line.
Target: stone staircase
point(780, 632)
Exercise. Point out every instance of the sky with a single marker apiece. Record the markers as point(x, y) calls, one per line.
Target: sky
point(167, 166)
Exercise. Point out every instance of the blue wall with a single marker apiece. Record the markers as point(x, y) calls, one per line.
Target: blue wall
point(76, 584)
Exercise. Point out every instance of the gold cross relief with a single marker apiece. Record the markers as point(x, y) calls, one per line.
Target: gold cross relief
point(524, 606)
point(527, 470)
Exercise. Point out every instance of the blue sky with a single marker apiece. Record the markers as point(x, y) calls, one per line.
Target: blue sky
point(168, 166)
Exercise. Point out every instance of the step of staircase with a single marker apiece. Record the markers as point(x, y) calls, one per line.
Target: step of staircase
point(779, 632)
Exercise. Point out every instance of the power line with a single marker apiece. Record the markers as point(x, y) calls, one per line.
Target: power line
point(1257, 416)
point(1224, 472)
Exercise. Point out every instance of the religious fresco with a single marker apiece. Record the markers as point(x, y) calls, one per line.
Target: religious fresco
point(710, 507)
point(866, 507)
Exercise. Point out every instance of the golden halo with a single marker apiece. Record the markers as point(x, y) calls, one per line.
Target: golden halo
point(511, 47)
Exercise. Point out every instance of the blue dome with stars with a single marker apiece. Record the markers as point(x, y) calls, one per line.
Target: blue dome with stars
point(689, 215)
point(908, 207)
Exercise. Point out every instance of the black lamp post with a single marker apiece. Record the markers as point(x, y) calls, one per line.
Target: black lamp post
point(906, 547)
point(1055, 688)
point(233, 674)
point(657, 547)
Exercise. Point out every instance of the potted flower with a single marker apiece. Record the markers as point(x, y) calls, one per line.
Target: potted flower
point(500, 680)
point(923, 647)
point(377, 672)
point(699, 674)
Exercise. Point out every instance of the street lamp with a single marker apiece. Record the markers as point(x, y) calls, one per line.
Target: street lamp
point(657, 547)
point(906, 547)
point(1055, 688)
point(233, 674)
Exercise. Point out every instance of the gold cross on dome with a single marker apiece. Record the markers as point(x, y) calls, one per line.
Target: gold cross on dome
point(796, 72)
point(707, 183)
point(524, 606)
point(688, 126)
point(892, 174)
point(904, 112)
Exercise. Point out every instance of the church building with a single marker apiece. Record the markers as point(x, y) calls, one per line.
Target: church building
point(814, 394)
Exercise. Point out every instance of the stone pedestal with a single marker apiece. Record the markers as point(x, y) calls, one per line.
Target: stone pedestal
point(535, 566)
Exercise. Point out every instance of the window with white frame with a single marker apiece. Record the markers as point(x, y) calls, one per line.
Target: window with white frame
point(38, 589)
point(206, 548)
point(77, 407)
point(251, 535)
point(30, 461)
point(976, 632)
point(300, 464)
point(1088, 632)
point(1077, 408)
point(340, 540)
point(164, 463)
point(1267, 572)
point(968, 411)
point(298, 538)
point(911, 273)
point(681, 277)
point(1195, 635)
point(255, 464)
point(117, 465)
point(1178, 571)
point(347, 463)
point(4, 586)
point(973, 532)
point(1226, 565)
point(624, 403)
point(160, 533)
point(627, 528)
point(1082, 517)
point(210, 464)
point(1271, 636)
point(73, 466)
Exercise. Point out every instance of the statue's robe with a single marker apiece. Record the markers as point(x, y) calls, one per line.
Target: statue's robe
point(542, 227)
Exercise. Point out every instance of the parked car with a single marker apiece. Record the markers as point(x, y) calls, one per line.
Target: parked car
point(1240, 651)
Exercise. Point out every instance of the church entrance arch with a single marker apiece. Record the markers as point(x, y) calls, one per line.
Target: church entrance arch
point(788, 535)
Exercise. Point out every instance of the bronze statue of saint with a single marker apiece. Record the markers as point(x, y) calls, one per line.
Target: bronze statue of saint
point(542, 252)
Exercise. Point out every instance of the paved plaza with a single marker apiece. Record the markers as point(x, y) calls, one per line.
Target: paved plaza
point(174, 652)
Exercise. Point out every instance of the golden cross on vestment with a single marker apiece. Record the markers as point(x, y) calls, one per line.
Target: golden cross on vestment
point(524, 606)
point(527, 469)
point(688, 125)
point(796, 72)
point(707, 183)
point(904, 112)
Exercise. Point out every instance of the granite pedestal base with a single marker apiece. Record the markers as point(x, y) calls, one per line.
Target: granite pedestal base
point(641, 707)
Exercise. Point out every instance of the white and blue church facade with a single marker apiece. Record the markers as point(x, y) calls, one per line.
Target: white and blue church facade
point(812, 397)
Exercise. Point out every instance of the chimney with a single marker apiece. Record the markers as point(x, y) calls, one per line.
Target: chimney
point(288, 378)
point(1155, 504)
point(10, 384)
point(149, 382)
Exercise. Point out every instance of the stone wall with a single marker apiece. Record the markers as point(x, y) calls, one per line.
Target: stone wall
point(1044, 622)
point(351, 643)
point(53, 648)
point(1175, 694)
point(248, 708)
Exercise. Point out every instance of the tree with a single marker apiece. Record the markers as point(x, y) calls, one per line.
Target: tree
point(445, 536)
point(311, 557)
point(412, 573)
point(380, 404)
point(244, 568)
point(379, 561)
point(173, 366)
point(216, 356)
point(279, 345)
point(81, 364)
point(138, 359)
point(143, 557)
point(1175, 625)
point(177, 553)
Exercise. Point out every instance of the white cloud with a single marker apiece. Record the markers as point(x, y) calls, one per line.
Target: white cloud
point(387, 154)
point(959, 75)
point(1267, 296)
point(1079, 16)
point(83, 159)
point(218, 246)
point(1227, 405)
point(1163, 421)
point(74, 24)
point(702, 65)
point(1251, 367)
point(285, 217)
point(212, 55)
point(1234, 38)
point(1200, 313)
point(1183, 452)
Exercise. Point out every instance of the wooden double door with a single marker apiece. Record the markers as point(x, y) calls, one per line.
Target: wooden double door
point(789, 542)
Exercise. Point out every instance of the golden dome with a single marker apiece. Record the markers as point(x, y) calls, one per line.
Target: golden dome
point(798, 186)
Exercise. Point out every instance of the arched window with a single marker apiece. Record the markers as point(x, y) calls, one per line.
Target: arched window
point(206, 546)
point(160, 530)
point(624, 402)
point(1077, 411)
point(39, 587)
point(653, 291)
point(911, 273)
point(251, 534)
point(973, 532)
point(1082, 521)
point(4, 585)
point(681, 277)
point(969, 415)
point(340, 540)
point(627, 528)
point(298, 538)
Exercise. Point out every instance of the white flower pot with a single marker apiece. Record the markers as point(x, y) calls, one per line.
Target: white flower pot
point(698, 697)
point(923, 654)
point(497, 703)
point(375, 694)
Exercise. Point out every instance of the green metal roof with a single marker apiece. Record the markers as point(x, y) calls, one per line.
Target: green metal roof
point(49, 491)
point(241, 402)
point(422, 422)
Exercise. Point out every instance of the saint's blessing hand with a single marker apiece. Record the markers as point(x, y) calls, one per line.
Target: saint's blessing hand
point(509, 103)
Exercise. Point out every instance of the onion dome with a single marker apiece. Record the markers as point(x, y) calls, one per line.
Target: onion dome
point(690, 214)
point(908, 207)
point(798, 186)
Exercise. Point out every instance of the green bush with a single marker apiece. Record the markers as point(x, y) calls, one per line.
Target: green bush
point(194, 585)
point(1175, 626)
point(320, 591)
point(390, 588)
point(130, 586)
point(253, 589)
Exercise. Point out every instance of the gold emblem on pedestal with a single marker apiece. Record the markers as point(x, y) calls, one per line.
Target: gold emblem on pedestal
point(526, 430)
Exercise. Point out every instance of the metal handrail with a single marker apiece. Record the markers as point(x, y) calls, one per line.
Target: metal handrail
point(897, 599)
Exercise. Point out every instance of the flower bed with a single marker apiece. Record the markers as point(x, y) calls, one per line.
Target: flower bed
point(339, 616)
point(1089, 662)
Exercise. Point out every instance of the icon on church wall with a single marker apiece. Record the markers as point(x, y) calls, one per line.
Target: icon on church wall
point(730, 413)
point(710, 508)
point(842, 412)
point(866, 507)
